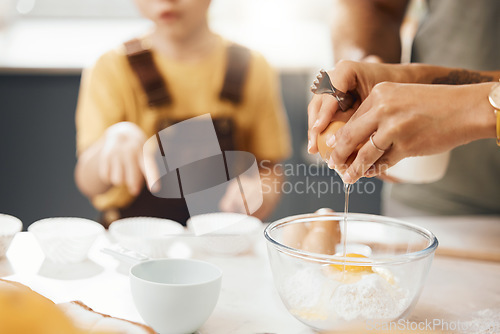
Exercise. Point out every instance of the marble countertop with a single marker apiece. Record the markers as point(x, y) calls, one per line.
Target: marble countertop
point(457, 289)
point(248, 303)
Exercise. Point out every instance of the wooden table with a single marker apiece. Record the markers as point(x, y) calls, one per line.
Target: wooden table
point(458, 291)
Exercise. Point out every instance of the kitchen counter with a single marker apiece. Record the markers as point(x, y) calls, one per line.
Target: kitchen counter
point(458, 292)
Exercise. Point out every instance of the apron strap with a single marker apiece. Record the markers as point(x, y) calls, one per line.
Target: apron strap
point(238, 61)
point(154, 85)
point(141, 61)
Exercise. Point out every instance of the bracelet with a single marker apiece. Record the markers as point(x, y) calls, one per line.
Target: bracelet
point(497, 113)
point(494, 98)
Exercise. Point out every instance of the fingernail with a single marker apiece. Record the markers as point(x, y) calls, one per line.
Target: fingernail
point(347, 177)
point(330, 163)
point(370, 172)
point(330, 142)
point(316, 123)
point(155, 188)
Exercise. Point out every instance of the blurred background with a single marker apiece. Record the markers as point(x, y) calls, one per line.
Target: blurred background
point(44, 44)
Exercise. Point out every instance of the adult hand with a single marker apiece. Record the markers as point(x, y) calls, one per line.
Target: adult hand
point(356, 77)
point(121, 158)
point(405, 120)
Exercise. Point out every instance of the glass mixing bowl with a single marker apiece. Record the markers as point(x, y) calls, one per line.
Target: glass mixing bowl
point(330, 292)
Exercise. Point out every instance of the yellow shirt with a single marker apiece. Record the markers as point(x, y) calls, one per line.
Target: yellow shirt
point(110, 92)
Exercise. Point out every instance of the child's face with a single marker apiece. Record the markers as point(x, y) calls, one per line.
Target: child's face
point(178, 17)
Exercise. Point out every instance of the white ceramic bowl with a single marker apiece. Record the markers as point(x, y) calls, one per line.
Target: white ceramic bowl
point(65, 239)
point(175, 296)
point(9, 226)
point(149, 236)
point(233, 233)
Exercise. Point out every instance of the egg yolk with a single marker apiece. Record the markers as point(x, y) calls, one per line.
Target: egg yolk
point(351, 268)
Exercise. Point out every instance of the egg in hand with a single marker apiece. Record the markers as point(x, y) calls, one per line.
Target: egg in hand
point(325, 151)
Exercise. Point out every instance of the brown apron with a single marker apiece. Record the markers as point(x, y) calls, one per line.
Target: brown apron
point(153, 83)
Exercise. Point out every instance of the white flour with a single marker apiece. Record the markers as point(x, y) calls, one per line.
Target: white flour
point(307, 288)
point(313, 295)
point(372, 297)
point(486, 321)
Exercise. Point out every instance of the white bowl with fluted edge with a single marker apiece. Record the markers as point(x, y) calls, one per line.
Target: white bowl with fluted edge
point(149, 236)
point(9, 226)
point(66, 239)
point(232, 233)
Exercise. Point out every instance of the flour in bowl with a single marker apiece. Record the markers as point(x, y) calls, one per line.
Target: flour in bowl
point(314, 293)
point(372, 297)
point(307, 288)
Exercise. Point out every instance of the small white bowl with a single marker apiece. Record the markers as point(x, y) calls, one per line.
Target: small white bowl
point(149, 236)
point(9, 226)
point(175, 295)
point(65, 239)
point(233, 233)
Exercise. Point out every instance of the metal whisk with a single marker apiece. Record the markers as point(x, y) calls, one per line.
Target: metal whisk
point(323, 85)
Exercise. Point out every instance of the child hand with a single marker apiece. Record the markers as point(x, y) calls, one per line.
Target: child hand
point(233, 198)
point(121, 156)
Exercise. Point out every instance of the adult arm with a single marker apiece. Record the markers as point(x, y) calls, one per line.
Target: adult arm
point(367, 29)
point(360, 78)
point(447, 108)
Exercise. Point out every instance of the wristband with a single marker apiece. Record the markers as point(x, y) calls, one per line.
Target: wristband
point(494, 98)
